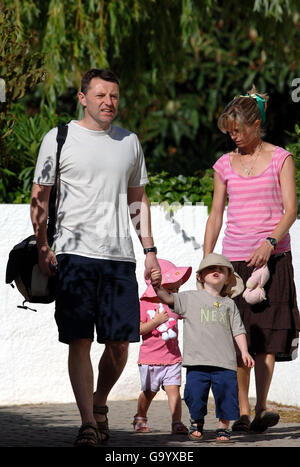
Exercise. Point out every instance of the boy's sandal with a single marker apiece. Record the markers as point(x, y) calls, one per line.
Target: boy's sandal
point(102, 426)
point(223, 433)
point(88, 436)
point(140, 424)
point(261, 422)
point(178, 428)
point(242, 424)
point(196, 425)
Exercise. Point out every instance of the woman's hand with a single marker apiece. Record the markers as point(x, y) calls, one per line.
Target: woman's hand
point(261, 255)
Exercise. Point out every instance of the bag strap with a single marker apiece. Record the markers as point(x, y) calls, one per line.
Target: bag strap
point(62, 131)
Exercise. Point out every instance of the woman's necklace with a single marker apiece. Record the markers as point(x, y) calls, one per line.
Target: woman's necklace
point(248, 170)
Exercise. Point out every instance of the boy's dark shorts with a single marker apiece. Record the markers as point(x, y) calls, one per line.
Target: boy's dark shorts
point(96, 293)
point(222, 381)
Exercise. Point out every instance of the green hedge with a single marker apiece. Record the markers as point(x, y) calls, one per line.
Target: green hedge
point(181, 189)
point(294, 148)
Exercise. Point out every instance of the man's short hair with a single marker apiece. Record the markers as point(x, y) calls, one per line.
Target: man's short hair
point(106, 75)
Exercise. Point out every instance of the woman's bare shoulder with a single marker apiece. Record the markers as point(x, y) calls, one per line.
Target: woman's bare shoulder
point(268, 147)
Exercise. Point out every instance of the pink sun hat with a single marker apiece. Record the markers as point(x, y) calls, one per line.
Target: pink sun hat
point(170, 275)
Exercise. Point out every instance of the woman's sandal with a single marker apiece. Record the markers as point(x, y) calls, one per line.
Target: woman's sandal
point(140, 424)
point(178, 428)
point(223, 433)
point(196, 425)
point(242, 424)
point(88, 436)
point(261, 422)
point(102, 425)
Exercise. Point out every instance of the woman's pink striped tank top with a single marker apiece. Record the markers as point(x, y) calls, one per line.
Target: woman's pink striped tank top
point(254, 207)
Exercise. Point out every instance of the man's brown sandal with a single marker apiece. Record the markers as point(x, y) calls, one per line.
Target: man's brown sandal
point(103, 425)
point(88, 436)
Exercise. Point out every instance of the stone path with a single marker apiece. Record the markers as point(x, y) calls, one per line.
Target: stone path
point(56, 425)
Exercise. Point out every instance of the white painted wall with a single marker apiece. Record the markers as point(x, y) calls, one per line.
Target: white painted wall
point(33, 364)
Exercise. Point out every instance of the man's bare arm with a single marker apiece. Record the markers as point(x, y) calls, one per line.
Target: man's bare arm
point(139, 208)
point(39, 215)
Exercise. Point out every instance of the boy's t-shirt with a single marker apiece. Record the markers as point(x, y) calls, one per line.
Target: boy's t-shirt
point(209, 325)
point(156, 348)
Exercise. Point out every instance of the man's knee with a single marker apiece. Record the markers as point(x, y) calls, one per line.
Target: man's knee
point(80, 345)
point(118, 349)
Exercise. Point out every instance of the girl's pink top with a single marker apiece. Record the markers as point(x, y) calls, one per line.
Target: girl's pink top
point(154, 350)
point(254, 207)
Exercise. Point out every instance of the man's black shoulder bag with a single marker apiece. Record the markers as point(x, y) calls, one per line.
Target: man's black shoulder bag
point(22, 266)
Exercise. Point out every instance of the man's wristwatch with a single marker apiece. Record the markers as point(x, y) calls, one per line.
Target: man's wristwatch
point(273, 241)
point(152, 249)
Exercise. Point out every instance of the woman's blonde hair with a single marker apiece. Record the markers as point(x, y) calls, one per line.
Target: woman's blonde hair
point(244, 110)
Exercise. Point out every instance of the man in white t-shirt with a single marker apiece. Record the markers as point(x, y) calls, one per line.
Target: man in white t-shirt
point(102, 176)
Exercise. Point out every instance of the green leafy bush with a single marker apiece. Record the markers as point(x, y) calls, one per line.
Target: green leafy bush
point(181, 189)
point(294, 148)
point(22, 146)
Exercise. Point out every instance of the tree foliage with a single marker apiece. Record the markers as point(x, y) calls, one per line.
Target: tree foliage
point(294, 148)
point(21, 69)
point(179, 63)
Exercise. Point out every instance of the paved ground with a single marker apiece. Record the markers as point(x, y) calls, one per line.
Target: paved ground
point(50, 425)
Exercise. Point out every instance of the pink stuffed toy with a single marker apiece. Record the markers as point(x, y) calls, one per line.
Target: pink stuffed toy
point(255, 292)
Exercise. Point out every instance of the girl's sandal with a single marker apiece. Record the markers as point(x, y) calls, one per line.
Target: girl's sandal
point(196, 425)
point(140, 424)
point(178, 428)
point(223, 433)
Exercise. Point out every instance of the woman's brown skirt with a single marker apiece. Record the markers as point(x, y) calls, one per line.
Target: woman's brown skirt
point(273, 325)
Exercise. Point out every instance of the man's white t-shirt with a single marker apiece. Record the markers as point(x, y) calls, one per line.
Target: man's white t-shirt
point(96, 169)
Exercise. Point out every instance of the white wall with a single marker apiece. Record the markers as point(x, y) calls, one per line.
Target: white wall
point(33, 364)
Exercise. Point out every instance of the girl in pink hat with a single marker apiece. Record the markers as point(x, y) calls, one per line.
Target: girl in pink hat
point(160, 357)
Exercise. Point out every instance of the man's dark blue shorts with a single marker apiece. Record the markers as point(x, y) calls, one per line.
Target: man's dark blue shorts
point(96, 293)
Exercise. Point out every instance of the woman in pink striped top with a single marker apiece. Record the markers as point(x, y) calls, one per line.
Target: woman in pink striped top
point(258, 179)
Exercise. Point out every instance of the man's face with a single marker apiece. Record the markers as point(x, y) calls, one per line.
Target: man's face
point(100, 102)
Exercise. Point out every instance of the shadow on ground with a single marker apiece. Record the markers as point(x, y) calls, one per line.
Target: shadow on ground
point(56, 425)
